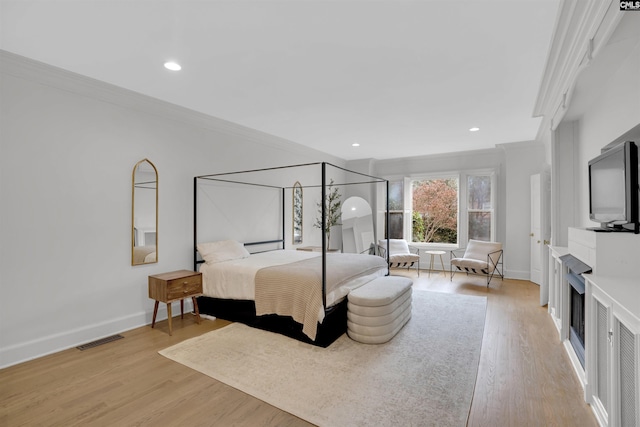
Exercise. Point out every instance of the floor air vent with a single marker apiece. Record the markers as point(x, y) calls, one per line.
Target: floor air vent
point(99, 342)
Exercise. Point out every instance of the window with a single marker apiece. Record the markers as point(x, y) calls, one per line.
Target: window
point(396, 210)
point(480, 207)
point(444, 209)
point(435, 210)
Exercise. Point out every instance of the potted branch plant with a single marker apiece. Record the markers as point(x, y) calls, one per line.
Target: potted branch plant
point(332, 211)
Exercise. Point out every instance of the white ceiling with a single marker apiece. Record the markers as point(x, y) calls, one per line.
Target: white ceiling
point(402, 78)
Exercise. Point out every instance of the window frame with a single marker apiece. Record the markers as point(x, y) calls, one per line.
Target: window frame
point(393, 180)
point(463, 202)
point(408, 228)
point(492, 176)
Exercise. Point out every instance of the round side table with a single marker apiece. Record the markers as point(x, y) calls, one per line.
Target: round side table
point(433, 254)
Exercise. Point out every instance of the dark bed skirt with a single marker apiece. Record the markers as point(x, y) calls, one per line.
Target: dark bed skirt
point(244, 311)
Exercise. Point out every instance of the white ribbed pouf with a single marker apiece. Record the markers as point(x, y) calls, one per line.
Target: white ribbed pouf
point(377, 310)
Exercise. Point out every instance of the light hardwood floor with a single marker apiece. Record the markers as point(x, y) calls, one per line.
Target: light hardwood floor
point(524, 376)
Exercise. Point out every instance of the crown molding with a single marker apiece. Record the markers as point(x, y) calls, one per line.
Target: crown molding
point(520, 145)
point(28, 69)
point(488, 153)
point(582, 30)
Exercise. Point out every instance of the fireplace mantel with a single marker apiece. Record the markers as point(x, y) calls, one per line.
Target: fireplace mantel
point(609, 254)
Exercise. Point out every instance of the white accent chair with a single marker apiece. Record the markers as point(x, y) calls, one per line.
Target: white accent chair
point(484, 258)
point(400, 254)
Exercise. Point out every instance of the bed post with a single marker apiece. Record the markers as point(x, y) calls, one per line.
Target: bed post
point(386, 232)
point(283, 224)
point(195, 223)
point(324, 240)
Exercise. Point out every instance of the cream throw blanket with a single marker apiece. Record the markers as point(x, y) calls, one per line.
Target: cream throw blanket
point(296, 289)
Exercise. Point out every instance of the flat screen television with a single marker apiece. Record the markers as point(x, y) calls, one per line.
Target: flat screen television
point(613, 189)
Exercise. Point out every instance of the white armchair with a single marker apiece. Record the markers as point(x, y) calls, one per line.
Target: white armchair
point(479, 257)
point(400, 254)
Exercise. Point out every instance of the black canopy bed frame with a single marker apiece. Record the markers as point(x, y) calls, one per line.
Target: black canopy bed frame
point(243, 310)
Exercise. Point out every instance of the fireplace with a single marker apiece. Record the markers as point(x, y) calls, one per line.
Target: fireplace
point(576, 318)
point(576, 314)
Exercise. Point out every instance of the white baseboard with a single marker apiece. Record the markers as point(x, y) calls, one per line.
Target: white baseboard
point(517, 274)
point(29, 350)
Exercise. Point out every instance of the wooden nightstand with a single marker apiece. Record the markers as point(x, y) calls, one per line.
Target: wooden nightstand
point(174, 286)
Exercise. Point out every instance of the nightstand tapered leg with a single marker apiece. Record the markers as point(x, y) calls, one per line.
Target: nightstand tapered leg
point(195, 307)
point(155, 312)
point(169, 317)
point(182, 309)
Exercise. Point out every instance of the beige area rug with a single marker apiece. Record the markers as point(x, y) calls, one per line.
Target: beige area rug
point(424, 376)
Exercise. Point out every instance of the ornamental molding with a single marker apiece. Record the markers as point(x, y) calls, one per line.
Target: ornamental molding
point(583, 28)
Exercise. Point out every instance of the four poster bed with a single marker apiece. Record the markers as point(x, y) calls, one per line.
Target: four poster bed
point(264, 283)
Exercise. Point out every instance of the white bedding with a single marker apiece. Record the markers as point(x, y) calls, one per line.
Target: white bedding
point(235, 279)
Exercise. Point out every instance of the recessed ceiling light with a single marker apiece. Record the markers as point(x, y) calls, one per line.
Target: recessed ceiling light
point(474, 129)
point(355, 144)
point(173, 66)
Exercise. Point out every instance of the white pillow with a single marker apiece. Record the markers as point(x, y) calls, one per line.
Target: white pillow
point(397, 246)
point(479, 249)
point(223, 250)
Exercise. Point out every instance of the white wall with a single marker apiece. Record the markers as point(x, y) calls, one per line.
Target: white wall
point(565, 169)
point(603, 95)
point(615, 113)
point(521, 161)
point(68, 145)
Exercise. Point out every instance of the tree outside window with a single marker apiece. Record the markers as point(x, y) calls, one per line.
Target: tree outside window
point(435, 210)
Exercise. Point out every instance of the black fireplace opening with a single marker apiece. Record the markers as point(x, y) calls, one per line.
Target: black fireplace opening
point(576, 321)
point(575, 269)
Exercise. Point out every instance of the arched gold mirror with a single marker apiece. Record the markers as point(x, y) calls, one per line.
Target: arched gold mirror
point(144, 214)
point(297, 213)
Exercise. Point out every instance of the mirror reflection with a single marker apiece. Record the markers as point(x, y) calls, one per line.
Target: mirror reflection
point(297, 213)
point(144, 214)
point(357, 225)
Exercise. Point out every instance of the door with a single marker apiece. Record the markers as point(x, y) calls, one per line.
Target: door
point(539, 235)
point(535, 268)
